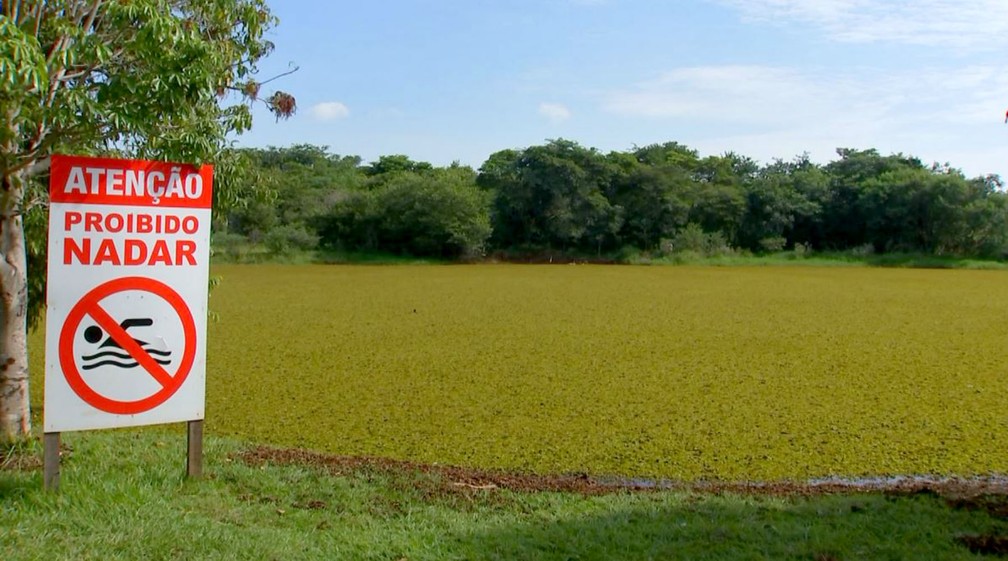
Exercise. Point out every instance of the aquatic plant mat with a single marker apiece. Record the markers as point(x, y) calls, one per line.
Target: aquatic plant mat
point(656, 373)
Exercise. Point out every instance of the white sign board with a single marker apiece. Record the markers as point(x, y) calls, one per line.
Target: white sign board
point(129, 251)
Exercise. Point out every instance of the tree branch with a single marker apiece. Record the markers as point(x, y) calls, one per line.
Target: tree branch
point(40, 166)
point(281, 75)
point(73, 75)
point(39, 9)
point(25, 208)
point(92, 15)
point(56, 48)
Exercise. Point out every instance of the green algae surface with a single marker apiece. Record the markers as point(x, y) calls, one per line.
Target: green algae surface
point(733, 373)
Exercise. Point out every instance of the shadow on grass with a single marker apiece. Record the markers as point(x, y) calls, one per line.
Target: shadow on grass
point(13, 487)
point(731, 527)
point(20, 469)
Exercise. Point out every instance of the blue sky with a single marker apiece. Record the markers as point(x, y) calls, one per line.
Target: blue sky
point(445, 80)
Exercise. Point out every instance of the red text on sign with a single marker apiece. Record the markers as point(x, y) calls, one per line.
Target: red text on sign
point(131, 252)
point(130, 223)
point(178, 183)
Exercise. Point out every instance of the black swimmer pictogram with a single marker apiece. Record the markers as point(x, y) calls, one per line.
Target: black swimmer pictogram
point(111, 353)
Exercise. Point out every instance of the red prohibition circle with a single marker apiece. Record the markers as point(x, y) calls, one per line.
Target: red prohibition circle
point(89, 305)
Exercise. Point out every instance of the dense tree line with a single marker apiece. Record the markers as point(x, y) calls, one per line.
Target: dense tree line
point(561, 197)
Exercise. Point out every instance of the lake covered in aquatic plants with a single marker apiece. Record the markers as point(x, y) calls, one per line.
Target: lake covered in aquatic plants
point(685, 373)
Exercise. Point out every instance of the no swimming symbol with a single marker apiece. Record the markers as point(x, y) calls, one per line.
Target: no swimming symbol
point(111, 353)
point(112, 346)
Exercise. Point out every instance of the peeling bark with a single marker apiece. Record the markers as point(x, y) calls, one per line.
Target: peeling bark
point(15, 419)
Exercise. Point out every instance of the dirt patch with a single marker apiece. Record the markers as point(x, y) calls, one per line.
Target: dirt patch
point(438, 478)
point(454, 479)
point(20, 459)
point(994, 505)
point(985, 544)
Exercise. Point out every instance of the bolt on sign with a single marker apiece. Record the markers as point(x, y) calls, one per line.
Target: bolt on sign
point(129, 250)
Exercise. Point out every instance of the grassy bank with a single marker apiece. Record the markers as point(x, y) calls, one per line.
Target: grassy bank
point(836, 259)
point(257, 254)
point(123, 497)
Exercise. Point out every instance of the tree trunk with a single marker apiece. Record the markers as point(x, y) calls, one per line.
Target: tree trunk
point(15, 421)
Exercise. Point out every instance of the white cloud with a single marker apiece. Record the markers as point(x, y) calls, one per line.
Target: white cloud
point(329, 111)
point(770, 111)
point(783, 96)
point(737, 94)
point(555, 112)
point(978, 24)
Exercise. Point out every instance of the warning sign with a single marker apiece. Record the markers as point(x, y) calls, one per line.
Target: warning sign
point(127, 295)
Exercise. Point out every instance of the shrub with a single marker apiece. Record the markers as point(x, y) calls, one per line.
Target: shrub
point(863, 250)
point(230, 246)
point(432, 216)
point(690, 238)
point(290, 237)
point(691, 241)
point(773, 244)
point(425, 215)
point(716, 244)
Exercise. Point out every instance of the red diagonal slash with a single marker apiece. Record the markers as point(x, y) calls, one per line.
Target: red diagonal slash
point(119, 335)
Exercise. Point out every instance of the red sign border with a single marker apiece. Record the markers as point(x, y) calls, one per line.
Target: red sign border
point(73, 320)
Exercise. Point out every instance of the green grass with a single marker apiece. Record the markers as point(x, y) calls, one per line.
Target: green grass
point(729, 373)
point(123, 497)
point(332, 257)
point(249, 253)
point(254, 255)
